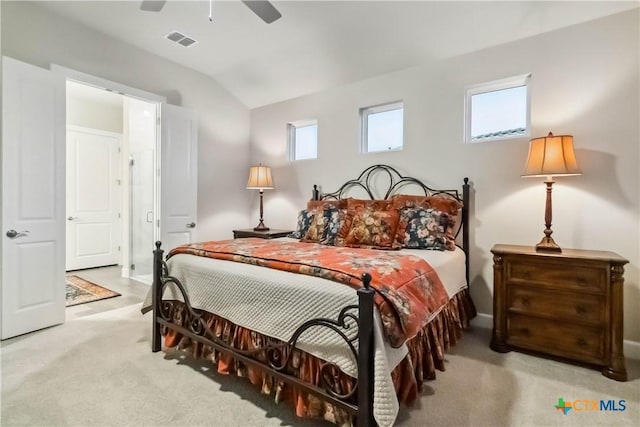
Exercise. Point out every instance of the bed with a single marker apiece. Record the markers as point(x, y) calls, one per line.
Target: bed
point(269, 311)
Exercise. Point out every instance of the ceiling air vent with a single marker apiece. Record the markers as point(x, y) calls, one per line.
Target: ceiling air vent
point(181, 39)
point(186, 42)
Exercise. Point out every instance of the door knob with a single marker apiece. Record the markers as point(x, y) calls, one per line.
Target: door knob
point(12, 234)
point(71, 218)
point(191, 225)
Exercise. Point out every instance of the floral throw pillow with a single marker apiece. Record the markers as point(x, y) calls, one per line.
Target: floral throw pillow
point(352, 206)
point(325, 225)
point(424, 228)
point(316, 230)
point(305, 218)
point(334, 219)
point(372, 228)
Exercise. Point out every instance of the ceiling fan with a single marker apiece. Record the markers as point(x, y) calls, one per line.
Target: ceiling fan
point(265, 10)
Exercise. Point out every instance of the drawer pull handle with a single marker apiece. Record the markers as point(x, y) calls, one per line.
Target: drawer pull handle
point(581, 342)
point(526, 302)
point(580, 309)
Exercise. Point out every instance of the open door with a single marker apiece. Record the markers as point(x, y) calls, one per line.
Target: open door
point(179, 184)
point(33, 198)
point(93, 198)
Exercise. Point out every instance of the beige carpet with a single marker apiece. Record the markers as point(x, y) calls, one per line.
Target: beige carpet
point(99, 371)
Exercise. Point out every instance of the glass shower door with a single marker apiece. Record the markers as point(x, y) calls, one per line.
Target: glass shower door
point(142, 127)
point(142, 216)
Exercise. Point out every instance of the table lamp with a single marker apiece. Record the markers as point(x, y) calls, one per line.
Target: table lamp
point(550, 156)
point(260, 179)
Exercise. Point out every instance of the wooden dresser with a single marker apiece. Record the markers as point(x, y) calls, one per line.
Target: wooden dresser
point(567, 305)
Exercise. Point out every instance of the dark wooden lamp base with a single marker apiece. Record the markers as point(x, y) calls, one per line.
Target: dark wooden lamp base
point(261, 226)
point(547, 244)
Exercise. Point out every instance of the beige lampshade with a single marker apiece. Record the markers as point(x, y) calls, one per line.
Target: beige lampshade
point(551, 155)
point(260, 178)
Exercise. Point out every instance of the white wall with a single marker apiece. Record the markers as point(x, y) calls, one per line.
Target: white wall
point(584, 83)
point(1, 219)
point(34, 35)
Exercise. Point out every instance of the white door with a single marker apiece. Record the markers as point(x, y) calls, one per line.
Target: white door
point(93, 198)
point(33, 198)
point(179, 184)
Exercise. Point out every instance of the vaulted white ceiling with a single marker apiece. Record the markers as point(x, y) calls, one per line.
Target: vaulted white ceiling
point(317, 45)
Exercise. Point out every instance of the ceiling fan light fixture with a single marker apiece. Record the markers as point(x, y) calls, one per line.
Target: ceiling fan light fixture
point(263, 8)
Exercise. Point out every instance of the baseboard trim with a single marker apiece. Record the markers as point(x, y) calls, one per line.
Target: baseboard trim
point(631, 348)
point(482, 320)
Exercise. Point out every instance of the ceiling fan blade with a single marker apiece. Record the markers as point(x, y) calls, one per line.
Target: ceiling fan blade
point(152, 5)
point(265, 10)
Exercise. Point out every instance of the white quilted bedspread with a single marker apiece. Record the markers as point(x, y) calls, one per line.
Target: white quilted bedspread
point(237, 291)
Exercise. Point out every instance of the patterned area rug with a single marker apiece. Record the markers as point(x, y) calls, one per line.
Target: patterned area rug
point(80, 291)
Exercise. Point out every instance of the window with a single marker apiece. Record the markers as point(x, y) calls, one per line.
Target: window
point(303, 140)
point(497, 110)
point(382, 127)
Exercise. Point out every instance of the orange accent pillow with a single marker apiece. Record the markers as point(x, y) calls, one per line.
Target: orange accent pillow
point(379, 205)
point(409, 201)
point(444, 203)
point(372, 228)
point(449, 205)
point(324, 204)
point(352, 205)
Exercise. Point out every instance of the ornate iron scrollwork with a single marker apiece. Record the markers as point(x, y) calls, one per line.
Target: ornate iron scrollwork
point(345, 326)
point(195, 322)
point(277, 355)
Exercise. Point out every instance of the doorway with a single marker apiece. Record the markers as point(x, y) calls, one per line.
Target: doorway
point(33, 156)
point(111, 202)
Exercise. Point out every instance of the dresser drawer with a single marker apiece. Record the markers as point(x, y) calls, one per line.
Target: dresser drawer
point(557, 338)
point(572, 277)
point(559, 305)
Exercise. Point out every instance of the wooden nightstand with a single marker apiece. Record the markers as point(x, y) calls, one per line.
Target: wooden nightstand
point(567, 305)
point(269, 234)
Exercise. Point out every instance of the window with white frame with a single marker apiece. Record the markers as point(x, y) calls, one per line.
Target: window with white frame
point(498, 109)
point(382, 127)
point(303, 140)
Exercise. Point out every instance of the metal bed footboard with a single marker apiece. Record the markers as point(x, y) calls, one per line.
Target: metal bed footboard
point(277, 355)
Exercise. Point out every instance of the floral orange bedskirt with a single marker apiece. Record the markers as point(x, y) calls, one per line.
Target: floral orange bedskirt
point(426, 355)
